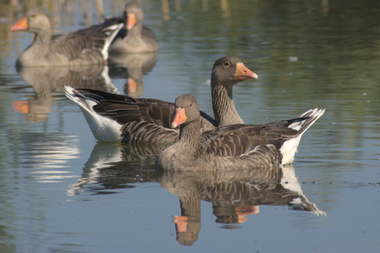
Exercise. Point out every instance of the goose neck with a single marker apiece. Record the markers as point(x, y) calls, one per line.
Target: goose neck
point(223, 106)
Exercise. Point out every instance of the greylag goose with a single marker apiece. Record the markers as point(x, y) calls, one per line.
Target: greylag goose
point(114, 118)
point(134, 37)
point(85, 46)
point(229, 147)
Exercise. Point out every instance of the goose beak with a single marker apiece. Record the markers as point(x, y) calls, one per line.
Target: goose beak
point(179, 118)
point(243, 73)
point(132, 85)
point(247, 210)
point(21, 106)
point(181, 223)
point(131, 20)
point(21, 25)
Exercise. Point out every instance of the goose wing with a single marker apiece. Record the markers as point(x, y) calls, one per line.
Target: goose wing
point(239, 139)
point(157, 114)
point(91, 42)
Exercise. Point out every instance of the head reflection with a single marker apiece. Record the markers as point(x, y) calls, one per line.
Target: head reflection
point(234, 195)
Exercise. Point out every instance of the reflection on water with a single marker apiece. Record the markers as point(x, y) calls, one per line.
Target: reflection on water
point(113, 166)
point(132, 67)
point(306, 53)
point(45, 154)
point(233, 194)
point(46, 81)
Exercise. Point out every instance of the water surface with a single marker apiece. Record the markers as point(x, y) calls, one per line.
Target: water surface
point(61, 191)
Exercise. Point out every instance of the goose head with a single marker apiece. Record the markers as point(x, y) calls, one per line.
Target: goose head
point(34, 22)
point(132, 15)
point(229, 70)
point(186, 110)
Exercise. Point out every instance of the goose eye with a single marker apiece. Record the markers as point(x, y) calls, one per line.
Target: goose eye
point(190, 105)
point(227, 63)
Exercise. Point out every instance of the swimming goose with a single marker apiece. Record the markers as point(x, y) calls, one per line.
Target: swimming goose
point(114, 118)
point(86, 46)
point(231, 147)
point(134, 37)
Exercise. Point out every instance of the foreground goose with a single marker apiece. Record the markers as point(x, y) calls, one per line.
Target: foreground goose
point(114, 118)
point(236, 146)
point(85, 46)
point(134, 37)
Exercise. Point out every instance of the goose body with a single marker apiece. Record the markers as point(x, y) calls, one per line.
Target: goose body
point(82, 47)
point(238, 146)
point(114, 118)
point(120, 118)
point(134, 37)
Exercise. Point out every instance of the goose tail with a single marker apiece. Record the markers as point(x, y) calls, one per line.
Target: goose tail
point(104, 129)
point(111, 28)
point(301, 124)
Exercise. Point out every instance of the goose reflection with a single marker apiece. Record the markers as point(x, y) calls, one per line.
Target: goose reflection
point(114, 166)
point(132, 67)
point(234, 195)
point(47, 80)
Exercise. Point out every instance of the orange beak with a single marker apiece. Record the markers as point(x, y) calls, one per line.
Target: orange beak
point(21, 106)
point(243, 73)
point(21, 25)
point(181, 223)
point(179, 118)
point(131, 20)
point(247, 210)
point(131, 85)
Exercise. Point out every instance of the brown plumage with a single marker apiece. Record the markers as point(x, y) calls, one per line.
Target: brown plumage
point(134, 37)
point(148, 120)
point(85, 46)
point(229, 147)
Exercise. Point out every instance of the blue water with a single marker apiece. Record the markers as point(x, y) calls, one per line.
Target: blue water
point(61, 191)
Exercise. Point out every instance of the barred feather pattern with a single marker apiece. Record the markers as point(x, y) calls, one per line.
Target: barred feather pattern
point(231, 147)
point(181, 158)
point(85, 46)
point(141, 120)
point(144, 132)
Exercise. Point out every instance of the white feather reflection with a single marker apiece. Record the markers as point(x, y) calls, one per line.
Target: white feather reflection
point(47, 155)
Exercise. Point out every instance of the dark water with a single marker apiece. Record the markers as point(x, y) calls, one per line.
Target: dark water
point(61, 191)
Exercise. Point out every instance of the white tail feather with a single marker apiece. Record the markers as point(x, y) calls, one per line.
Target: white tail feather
point(111, 31)
point(289, 148)
point(103, 128)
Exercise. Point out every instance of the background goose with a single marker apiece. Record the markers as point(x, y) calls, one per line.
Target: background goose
point(115, 118)
point(229, 147)
point(134, 37)
point(85, 46)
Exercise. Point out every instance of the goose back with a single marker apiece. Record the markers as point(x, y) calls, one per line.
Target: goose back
point(141, 120)
point(85, 46)
point(236, 146)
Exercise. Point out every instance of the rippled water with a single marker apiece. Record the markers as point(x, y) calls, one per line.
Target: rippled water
point(61, 191)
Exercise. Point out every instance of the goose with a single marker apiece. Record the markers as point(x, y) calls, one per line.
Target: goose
point(86, 46)
point(115, 118)
point(237, 146)
point(134, 37)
